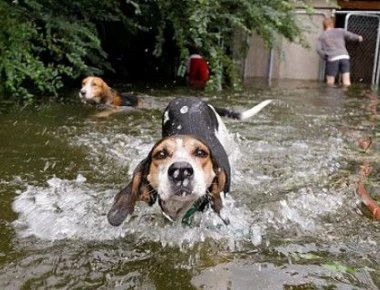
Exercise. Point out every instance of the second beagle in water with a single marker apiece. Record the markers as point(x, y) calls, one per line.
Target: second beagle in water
point(95, 90)
point(188, 169)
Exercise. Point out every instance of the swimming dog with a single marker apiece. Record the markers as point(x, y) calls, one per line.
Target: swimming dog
point(96, 91)
point(188, 169)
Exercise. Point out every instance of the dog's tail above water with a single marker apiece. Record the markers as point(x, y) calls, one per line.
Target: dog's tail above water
point(242, 115)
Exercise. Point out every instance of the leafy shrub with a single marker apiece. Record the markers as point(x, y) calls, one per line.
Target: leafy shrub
point(210, 25)
point(46, 42)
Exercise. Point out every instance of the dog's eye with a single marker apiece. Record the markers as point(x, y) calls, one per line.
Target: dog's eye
point(162, 154)
point(200, 153)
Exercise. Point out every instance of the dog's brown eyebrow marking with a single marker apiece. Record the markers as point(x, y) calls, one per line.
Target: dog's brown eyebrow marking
point(161, 153)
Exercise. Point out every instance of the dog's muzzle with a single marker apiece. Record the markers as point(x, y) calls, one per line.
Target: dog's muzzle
point(86, 99)
point(181, 175)
point(82, 95)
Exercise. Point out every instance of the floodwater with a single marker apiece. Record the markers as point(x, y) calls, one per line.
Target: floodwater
point(296, 220)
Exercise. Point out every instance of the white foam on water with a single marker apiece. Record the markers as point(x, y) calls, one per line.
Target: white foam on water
point(305, 209)
point(118, 149)
point(73, 209)
point(76, 209)
point(62, 209)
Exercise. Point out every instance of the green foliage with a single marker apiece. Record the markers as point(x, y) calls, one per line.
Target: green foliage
point(43, 43)
point(209, 25)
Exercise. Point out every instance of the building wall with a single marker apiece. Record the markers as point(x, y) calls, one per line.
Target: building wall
point(297, 62)
point(256, 61)
point(289, 60)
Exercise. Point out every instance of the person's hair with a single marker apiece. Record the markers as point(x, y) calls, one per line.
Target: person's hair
point(328, 23)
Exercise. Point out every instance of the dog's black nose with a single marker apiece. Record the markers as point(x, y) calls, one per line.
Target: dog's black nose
point(179, 171)
point(82, 92)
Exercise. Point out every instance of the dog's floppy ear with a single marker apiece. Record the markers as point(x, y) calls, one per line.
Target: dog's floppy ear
point(105, 89)
point(216, 189)
point(137, 189)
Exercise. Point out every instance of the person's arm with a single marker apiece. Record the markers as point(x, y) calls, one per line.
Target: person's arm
point(352, 36)
point(320, 50)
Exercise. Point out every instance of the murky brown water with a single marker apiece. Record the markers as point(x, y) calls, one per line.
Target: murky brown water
point(295, 216)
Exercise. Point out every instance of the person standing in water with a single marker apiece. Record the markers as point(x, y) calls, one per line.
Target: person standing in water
point(331, 46)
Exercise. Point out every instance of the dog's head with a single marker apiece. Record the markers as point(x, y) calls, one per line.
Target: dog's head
point(94, 90)
point(179, 170)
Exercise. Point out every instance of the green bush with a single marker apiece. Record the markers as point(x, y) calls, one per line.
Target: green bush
point(44, 43)
point(209, 25)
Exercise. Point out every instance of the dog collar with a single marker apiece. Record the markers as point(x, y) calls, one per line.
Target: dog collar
point(197, 206)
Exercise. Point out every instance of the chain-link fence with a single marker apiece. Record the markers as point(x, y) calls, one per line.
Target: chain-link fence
point(364, 55)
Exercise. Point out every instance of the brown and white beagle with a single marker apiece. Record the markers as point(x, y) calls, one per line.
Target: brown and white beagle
point(96, 91)
point(188, 168)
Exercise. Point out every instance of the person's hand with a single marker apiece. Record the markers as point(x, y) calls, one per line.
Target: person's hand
point(360, 38)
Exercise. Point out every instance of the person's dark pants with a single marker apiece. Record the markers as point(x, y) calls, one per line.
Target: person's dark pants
point(337, 66)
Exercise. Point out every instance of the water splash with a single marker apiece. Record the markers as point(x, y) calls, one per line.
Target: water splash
point(118, 150)
point(278, 184)
point(73, 209)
